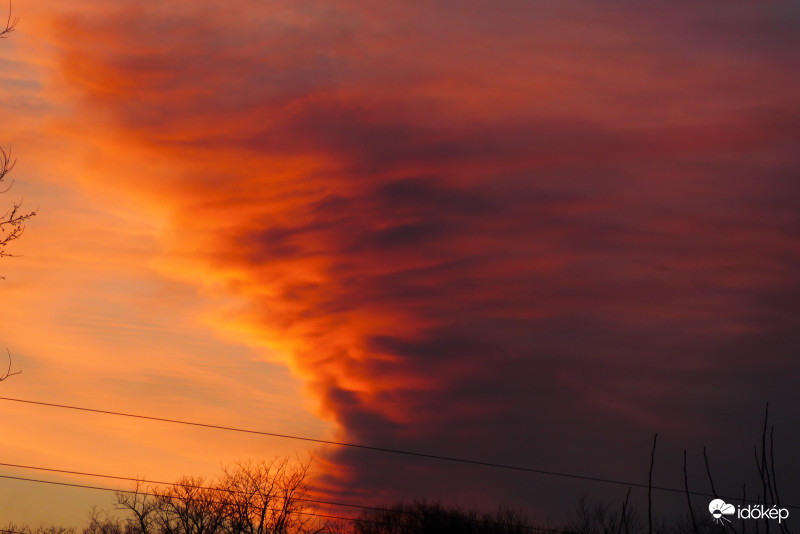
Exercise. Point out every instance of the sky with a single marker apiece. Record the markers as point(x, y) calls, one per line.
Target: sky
point(529, 233)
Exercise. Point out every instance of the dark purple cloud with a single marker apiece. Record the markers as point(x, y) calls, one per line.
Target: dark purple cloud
point(530, 234)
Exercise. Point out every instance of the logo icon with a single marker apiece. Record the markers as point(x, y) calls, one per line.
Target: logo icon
point(719, 509)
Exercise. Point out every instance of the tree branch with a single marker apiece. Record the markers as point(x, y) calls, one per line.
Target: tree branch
point(11, 23)
point(8, 372)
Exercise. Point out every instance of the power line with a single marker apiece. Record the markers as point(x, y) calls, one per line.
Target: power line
point(103, 488)
point(417, 454)
point(211, 488)
point(182, 484)
point(310, 514)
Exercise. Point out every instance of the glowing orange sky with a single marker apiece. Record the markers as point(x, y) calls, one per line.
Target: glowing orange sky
point(436, 227)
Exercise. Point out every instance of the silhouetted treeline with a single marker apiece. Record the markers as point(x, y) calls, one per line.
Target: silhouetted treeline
point(273, 498)
point(248, 498)
point(187, 511)
point(192, 513)
point(424, 517)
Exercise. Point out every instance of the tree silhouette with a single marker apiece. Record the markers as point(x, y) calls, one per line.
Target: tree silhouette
point(268, 497)
point(11, 23)
point(12, 224)
point(425, 517)
point(7, 373)
point(249, 498)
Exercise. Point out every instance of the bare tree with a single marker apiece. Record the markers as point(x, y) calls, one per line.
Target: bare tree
point(191, 507)
point(12, 528)
point(422, 517)
point(249, 498)
point(101, 523)
point(142, 506)
point(11, 23)
point(266, 497)
point(8, 372)
point(12, 224)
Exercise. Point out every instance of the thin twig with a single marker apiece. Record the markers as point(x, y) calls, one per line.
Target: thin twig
point(11, 23)
point(783, 525)
point(650, 487)
point(12, 223)
point(744, 499)
point(763, 467)
point(688, 497)
point(8, 372)
point(708, 472)
point(623, 520)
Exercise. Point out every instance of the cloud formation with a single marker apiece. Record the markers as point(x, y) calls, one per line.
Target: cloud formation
point(533, 235)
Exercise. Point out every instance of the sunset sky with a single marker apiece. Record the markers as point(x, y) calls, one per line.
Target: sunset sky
point(529, 233)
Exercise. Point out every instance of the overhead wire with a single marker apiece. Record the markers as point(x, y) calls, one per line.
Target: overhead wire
point(375, 448)
point(307, 513)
